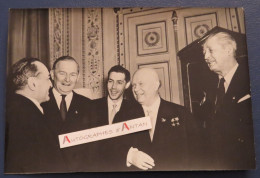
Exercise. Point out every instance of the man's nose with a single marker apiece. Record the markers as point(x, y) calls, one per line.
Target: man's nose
point(135, 88)
point(114, 85)
point(50, 83)
point(67, 78)
point(206, 55)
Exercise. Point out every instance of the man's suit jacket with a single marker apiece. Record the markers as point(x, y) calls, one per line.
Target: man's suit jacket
point(129, 110)
point(30, 146)
point(230, 131)
point(108, 152)
point(175, 141)
point(77, 119)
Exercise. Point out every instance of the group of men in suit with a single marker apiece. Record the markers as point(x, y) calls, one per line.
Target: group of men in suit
point(173, 143)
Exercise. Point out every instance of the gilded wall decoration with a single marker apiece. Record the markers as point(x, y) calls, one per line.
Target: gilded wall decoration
point(92, 51)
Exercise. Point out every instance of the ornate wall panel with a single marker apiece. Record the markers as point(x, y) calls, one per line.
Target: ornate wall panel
point(151, 38)
point(59, 33)
point(92, 58)
point(197, 26)
point(62, 37)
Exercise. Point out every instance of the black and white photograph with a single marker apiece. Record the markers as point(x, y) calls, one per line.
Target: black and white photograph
point(75, 69)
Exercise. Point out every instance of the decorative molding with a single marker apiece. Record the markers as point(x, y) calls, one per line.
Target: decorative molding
point(151, 38)
point(56, 33)
point(117, 38)
point(92, 51)
point(198, 25)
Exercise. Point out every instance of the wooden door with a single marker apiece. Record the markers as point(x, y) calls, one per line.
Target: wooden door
point(150, 42)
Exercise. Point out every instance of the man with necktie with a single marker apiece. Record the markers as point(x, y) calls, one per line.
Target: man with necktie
point(227, 108)
point(67, 111)
point(112, 109)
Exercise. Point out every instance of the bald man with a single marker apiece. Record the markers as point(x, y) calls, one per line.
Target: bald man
point(166, 145)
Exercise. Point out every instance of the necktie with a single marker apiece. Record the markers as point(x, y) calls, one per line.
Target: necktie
point(220, 94)
point(151, 131)
point(112, 114)
point(63, 107)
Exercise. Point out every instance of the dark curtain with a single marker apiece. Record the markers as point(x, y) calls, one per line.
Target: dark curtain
point(28, 35)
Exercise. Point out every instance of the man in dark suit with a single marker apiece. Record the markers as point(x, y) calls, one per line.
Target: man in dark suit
point(112, 109)
point(30, 146)
point(67, 111)
point(168, 145)
point(118, 82)
point(226, 108)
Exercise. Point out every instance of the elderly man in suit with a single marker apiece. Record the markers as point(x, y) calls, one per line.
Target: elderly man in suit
point(67, 111)
point(227, 107)
point(30, 146)
point(167, 145)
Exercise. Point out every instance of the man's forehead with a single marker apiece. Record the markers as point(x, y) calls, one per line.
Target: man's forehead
point(42, 70)
point(117, 75)
point(66, 64)
point(139, 77)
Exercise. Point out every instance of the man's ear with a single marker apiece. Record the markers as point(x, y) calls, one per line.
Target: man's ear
point(127, 85)
point(78, 77)
point(52, 74)
point(157, 85)
point(31, 82)
point(229, 50)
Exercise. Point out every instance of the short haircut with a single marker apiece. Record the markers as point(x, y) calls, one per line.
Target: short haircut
point(224, 39)
point(64, 58)
point(22, 70)
point(120, 69)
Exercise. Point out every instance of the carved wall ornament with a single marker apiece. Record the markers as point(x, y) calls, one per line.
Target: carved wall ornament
point(152, 38)
point(201, 30)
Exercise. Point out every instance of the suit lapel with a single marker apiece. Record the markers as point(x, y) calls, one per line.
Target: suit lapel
point(120, 115)
point(72, 109)
point(232, 89)
point(54, 107)
point(158, 127)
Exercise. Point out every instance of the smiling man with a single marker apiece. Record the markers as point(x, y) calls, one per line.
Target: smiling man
point(226, 107)
point(67, 111)
point(172, 143)
point(30, 146)
point(118, 81)
point(111, 109)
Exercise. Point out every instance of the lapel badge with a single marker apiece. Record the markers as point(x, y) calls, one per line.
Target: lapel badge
point(163, 120)
point(76, 112)
point(175, 121)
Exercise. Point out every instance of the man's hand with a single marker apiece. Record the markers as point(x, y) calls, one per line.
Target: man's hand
point(142, 160)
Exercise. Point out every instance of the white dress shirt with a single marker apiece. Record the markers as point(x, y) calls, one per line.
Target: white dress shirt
point(110, 108)
point(58, 98)
point(228, 77)
point(152, 112)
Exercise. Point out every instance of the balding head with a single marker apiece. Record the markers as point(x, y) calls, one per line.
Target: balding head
point(146, 85)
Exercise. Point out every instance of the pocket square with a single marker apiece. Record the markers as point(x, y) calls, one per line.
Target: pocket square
point(244, 98)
